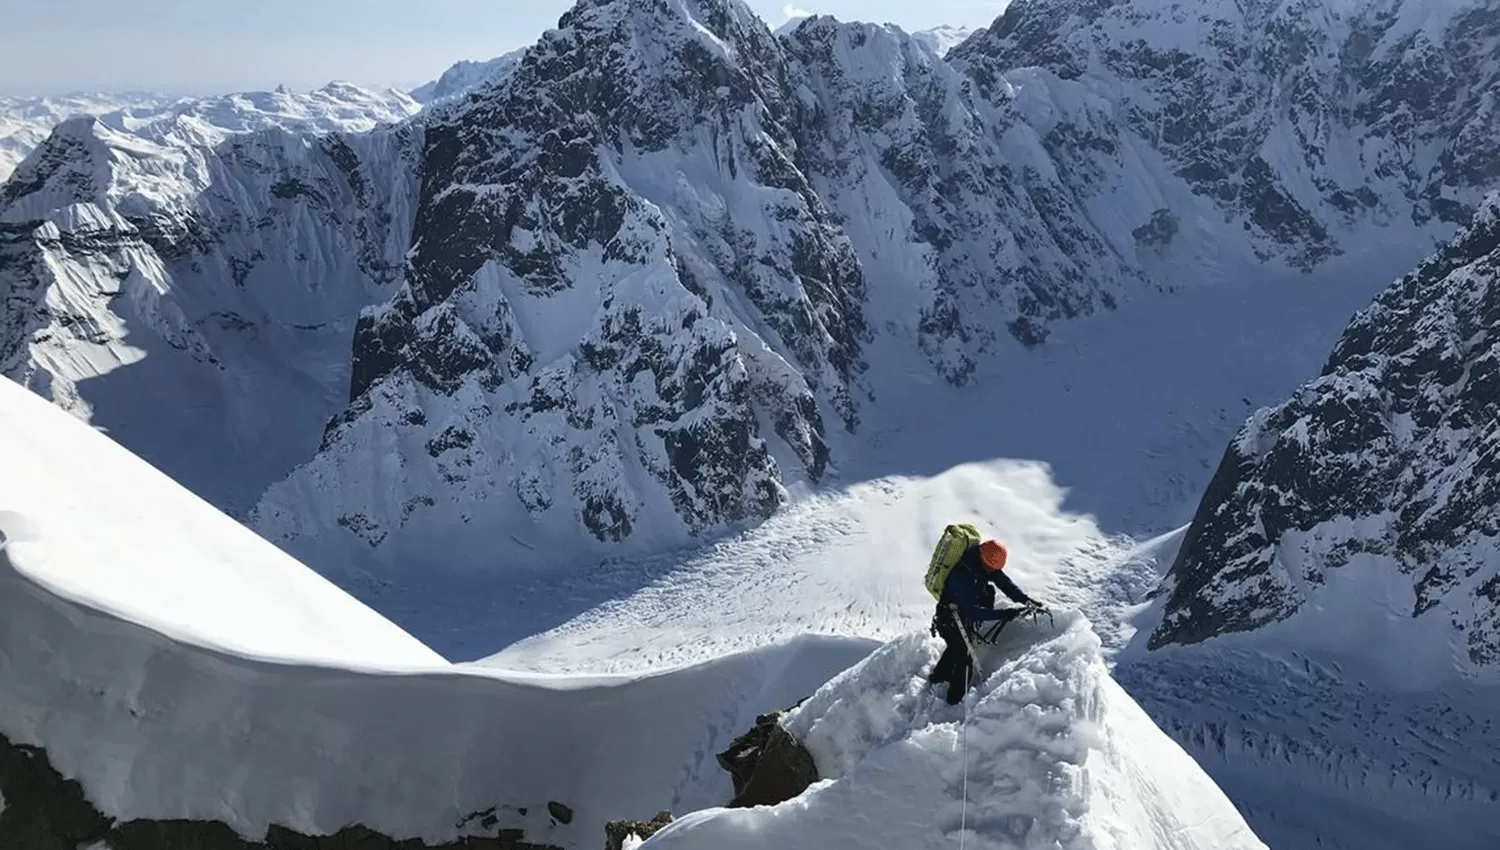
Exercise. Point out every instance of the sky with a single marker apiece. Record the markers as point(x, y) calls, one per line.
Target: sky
point(213, 46)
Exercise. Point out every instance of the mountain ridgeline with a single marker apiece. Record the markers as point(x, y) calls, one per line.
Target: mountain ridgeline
point(643, 279)
point(1387, 462)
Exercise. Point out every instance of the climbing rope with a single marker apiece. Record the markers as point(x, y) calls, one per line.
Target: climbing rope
point(963, 810)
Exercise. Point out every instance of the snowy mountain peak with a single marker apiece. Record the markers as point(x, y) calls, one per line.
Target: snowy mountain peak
point(464, 77)
point(944, 38)
point(1308, 122)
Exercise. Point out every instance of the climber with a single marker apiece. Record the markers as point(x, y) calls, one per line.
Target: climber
point(967, 600)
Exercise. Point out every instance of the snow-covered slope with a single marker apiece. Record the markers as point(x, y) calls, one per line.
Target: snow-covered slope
point(1053, 754)
point(194, 681)
point(188, 278)
point(96, 525)
point(1363, 511)
point(464, 77)
point(1319, 128)
point(25, 122)
point(181, 668)
point(1341, 576)
point(942, 39)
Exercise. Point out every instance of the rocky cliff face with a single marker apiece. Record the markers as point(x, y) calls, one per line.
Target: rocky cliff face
point(651, 266)
point(1384, 469)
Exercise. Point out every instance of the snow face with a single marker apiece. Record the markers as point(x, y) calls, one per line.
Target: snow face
point(160, 262)
point(1318, 128)
point(654, 339)
point(161, 730)
point(1057, 756)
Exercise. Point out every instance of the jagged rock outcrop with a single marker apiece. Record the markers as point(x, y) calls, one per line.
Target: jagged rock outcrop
point(42, 810)
point(768, 766)
point(1384, 465)
point(620, 832)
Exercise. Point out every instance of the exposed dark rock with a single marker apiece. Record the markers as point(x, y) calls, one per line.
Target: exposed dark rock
point(768, 766)
point(616, 831)
point(44, 811)
point(559, 812)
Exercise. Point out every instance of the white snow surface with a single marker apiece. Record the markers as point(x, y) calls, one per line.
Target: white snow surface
point(1056, 756)
point(95, 524)
point(339, 106)
point(943, 38)
point(26, 121)
point(181, 667)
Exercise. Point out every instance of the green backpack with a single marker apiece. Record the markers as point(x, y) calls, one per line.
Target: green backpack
point(956, 540)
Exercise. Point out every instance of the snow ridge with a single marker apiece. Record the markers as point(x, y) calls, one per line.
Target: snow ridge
point(1058, 756)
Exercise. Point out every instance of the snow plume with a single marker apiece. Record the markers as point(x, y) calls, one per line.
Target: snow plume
point(1057, 756)
point(794, 12)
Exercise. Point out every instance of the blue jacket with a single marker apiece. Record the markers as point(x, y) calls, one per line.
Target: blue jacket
point(966, 589)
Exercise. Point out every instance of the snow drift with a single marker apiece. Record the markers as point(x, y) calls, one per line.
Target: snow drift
point(1058, 756)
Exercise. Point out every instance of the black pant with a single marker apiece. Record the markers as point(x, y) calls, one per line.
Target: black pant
point(954, 667)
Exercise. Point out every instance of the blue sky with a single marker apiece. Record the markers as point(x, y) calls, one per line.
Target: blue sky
point(192, 46)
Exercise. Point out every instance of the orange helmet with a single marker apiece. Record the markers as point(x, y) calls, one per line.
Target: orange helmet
point(993, 554)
